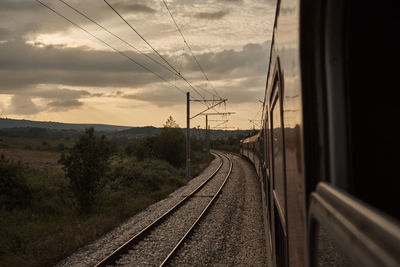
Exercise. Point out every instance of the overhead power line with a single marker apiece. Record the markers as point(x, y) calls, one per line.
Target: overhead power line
point(113, 48)
point(122, 40)
point(116, 36)
point(194, 57)
point(219, 124)
point(124, 54)
point(190, 49)
point(155, 50)
point(161, 56)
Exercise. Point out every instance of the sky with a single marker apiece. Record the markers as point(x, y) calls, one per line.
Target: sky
point(51, 70)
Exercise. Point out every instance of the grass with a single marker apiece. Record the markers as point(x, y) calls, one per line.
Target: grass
point(35, 143)
point(50, 228)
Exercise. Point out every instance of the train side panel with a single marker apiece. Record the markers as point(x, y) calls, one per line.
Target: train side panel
point(322, 204)
point(284, 100)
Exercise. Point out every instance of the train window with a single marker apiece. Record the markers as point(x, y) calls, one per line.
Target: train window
point(266, 147)
point(374, 140)
point(280, 243)
point(277, 153)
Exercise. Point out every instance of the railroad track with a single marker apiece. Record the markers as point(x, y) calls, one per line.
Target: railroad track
point(160, 240)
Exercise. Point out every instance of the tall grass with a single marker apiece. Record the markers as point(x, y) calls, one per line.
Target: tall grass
point(50, 228)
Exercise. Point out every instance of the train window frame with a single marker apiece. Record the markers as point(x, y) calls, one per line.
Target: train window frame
point(279, 213)
point(364, 236)
point(281, 210)
point(266, 146)
point(267, 172)
point(275, 96)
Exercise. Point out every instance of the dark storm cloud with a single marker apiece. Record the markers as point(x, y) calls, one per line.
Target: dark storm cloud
point(134, 8)
point(270, 2)
point(22, 105)
point(250, 61)
point(212, 15)
point(17, 5)
point(24, 17)
point(64, 105)
point(4, 34)
point(60, 100)
point(28, 72)
point(248, 90)
point(230, 1)
point(19, 55)
point(24, 65)
point(58, 93)
point(160, 98)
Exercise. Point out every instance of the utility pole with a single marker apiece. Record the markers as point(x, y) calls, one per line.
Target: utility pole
point(208, 133)
point(207, 140)
point(188, 136)
point(188, 118)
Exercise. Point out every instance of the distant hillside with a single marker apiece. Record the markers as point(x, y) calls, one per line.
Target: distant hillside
point(10, 123)
point(136, 132)
point(26, 128)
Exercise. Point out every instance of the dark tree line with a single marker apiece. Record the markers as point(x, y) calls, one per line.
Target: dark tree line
point(169, 145)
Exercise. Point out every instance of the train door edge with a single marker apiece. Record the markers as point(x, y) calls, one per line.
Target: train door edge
point(278, 172)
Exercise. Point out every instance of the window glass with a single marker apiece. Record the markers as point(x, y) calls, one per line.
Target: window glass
point(277, 150)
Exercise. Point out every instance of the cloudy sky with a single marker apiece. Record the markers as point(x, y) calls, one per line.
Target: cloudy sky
point(51, 70)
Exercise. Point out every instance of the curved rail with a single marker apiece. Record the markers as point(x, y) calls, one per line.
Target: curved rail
point(174, 250)
point(128, 244)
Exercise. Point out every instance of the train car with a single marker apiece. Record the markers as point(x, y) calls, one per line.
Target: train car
point(251, 148)
point(327, 154)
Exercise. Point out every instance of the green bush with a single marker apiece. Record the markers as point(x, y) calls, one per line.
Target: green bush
point(14, 193)
point(86, 164)
point(171, 146)
point(145, 176)
point(145, 148)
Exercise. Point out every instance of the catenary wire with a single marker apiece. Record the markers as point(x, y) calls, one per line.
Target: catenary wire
point(190, 49)
point(116, 36)
point(108, 45)
point(122, 40)
point(191, 52)
point(155, 50)
point(116, 50)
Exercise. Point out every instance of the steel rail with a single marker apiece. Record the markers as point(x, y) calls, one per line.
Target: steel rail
point(206, 209)
point(111, 258)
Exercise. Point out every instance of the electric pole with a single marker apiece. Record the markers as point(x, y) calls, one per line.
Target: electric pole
point(208, 133)
point(188, 118)
point(188, 136)
point(207, 140)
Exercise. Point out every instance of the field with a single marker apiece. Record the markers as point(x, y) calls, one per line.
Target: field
point(37, 159)
point(39, 215)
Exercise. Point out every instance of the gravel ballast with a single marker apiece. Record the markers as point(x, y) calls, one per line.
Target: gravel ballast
point(93, 253)
point(230, 235)
point(156, 246)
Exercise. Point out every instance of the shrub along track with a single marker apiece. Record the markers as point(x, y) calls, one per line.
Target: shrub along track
point(157, 243)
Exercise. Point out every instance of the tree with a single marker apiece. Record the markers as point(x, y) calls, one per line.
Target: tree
point(86, 164)
point(145, 148)
point(171, 123)
point(14, 191)
point(171, 143)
